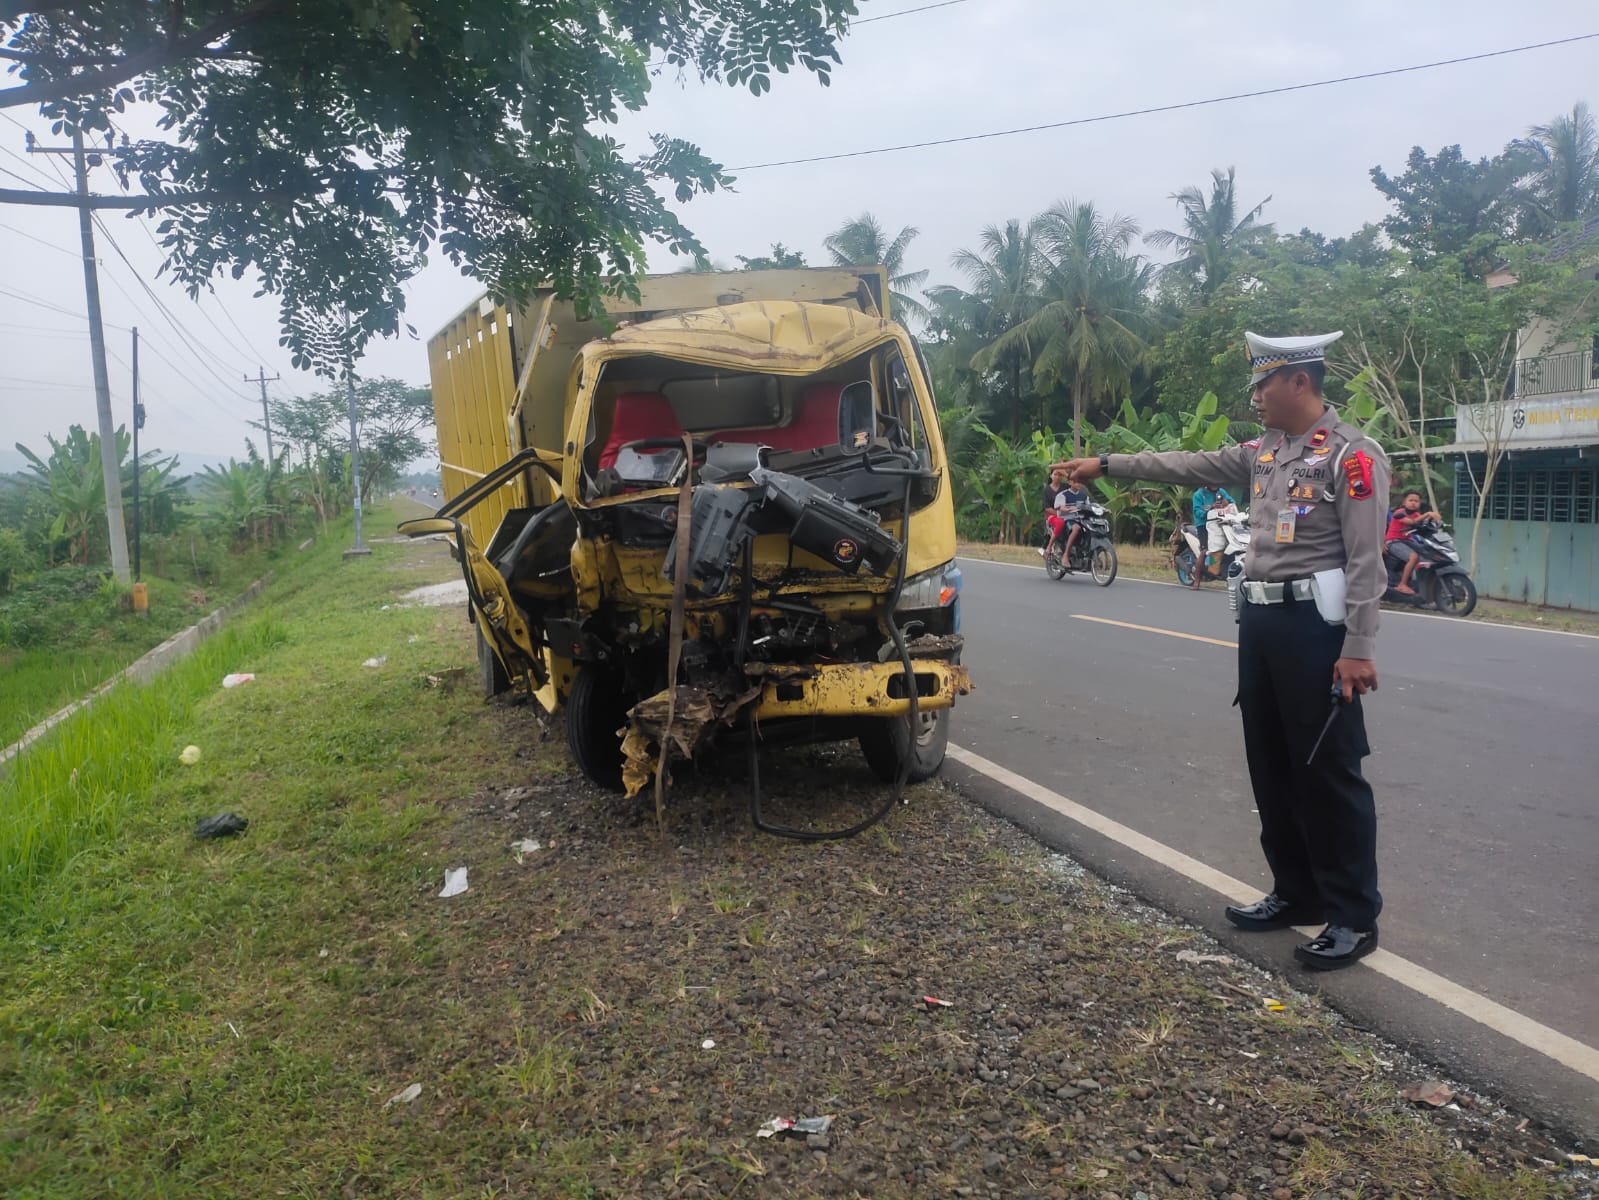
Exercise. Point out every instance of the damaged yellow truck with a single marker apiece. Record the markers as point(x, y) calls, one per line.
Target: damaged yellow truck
point(725, 510)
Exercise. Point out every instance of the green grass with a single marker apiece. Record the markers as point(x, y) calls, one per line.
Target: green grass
point(67, 631)
point(169, 1025)
point(36, 683)
point(83, 780)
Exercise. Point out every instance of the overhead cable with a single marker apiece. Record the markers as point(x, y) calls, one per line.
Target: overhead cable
point(1163, 108)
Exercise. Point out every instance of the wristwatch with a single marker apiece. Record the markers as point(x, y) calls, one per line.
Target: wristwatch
point(1104, 465)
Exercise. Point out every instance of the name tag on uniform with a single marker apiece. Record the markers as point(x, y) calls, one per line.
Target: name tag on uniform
point(1285, 524)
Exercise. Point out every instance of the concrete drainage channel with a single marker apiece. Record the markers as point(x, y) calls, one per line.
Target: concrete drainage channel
point(178, 646)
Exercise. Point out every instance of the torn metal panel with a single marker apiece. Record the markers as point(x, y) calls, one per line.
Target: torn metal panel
point(697, 714)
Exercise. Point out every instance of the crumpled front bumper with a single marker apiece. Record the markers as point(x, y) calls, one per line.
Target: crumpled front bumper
point(859, 689)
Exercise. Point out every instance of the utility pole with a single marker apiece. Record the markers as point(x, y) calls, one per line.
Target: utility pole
point(110, 468)
point(266, 415)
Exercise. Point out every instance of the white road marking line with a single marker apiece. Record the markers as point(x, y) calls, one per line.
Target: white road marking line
point(967, 559)
point(1421, 616)
point(1192, 637)
point(1490, 1014)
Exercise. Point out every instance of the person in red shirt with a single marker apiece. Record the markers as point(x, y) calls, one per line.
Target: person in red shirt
point(1397, 539)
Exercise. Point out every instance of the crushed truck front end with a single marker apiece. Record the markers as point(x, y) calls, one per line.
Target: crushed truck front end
point(748, 520)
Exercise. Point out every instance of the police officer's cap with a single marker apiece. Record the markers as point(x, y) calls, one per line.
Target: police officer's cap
point(1271, 354)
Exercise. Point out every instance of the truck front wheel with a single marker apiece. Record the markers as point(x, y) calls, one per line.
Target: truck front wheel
point(596, 708)
point(491, 671)
point(887, 742)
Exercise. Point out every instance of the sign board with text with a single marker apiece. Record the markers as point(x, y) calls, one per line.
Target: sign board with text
point(1510, 423)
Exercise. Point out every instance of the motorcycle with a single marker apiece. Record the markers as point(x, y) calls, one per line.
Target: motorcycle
point(1439, 581)
point(1188, 548)
point(1094, 551)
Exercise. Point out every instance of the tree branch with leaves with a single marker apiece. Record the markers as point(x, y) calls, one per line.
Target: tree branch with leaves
point(332, 147)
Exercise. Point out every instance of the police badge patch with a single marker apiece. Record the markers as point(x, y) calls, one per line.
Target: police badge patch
point(1357, 471)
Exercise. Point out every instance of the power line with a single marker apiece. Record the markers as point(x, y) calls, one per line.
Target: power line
point(55, 308)
point(12, 154)
point(37, 331)
point(161, 307)
point(195, 300)
point(1163, 108)
point(151, 345)
point(32, 185)
point(49, 245)
point(177, 327)
point(15, 326)
point(47, 383)
point(905, 12)
point(250, 349)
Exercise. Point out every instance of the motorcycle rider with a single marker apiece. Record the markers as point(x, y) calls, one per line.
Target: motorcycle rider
point(1053, 521)
point(1396, 542)
point(1209, 504)
point(1069, 505)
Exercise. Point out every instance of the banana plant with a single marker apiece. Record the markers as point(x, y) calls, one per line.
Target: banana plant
point(71, 490)
point(238, 500)
point(1155, 507)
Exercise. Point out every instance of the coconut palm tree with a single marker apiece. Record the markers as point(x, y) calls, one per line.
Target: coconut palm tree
point(1005, 280)
point(1216, 235)
point(864, 242)
point(1088, 327)
point(1562, 181)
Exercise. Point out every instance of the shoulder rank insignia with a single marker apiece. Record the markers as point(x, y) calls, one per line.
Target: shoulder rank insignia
point(1317, 440)
point(1251, 444)
point(1357, 471)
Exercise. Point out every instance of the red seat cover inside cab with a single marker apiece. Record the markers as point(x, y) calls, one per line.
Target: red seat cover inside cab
point(635, 416)
point(815, 423)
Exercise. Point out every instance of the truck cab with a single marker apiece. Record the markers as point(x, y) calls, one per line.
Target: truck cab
point(729, 505)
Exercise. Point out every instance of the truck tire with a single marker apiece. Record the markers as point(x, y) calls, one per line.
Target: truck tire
point(491, 671)
point(886, 742)
point(596, 708)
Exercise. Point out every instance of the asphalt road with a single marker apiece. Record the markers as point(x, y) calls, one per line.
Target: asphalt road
point(1485, 764)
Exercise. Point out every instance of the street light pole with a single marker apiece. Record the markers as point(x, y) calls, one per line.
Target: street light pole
point(138, 424)
point(360, 549)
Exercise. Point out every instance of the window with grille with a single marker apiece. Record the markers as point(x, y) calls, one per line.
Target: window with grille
point(1520, 487)
point(1585, 496)
point(1499, 498)
point(1560, 495)
point(1538, 489)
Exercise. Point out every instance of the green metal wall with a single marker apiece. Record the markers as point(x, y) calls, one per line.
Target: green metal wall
point(1539, 541)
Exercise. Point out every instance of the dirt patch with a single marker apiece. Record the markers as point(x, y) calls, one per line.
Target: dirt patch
point(674, 994)
point(438, 595)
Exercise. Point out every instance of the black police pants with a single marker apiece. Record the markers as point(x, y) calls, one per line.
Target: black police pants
point(1318, 821)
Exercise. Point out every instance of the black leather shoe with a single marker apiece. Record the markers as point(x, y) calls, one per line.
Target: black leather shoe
point(1338, 946)
point(1272, 912)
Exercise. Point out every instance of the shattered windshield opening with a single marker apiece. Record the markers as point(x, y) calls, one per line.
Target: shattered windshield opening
point(821, 426)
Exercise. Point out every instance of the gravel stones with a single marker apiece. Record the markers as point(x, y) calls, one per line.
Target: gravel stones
point(1077, 1060)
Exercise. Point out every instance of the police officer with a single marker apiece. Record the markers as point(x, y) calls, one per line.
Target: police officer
point(1307, 633)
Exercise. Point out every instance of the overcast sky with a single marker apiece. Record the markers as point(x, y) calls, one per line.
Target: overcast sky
point(966, 68)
